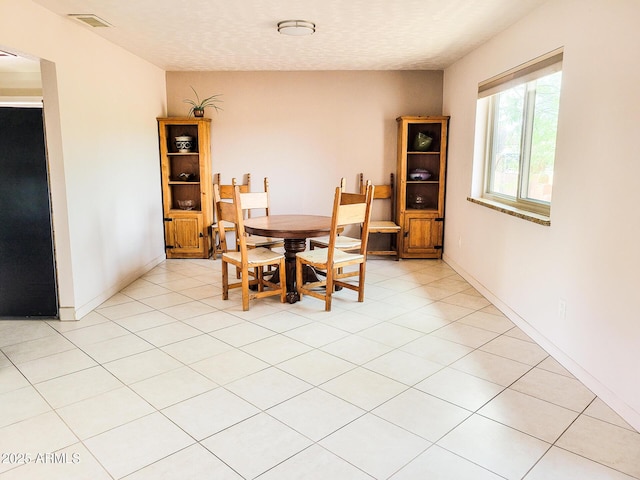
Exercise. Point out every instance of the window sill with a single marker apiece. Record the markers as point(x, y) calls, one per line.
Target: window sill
point(523, 214)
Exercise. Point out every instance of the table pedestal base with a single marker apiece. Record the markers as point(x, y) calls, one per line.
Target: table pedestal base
point(291, 247)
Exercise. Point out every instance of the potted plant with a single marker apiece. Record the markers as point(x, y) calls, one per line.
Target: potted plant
point(198, 106)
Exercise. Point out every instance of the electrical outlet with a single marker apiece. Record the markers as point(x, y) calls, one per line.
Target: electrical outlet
point(562, 309)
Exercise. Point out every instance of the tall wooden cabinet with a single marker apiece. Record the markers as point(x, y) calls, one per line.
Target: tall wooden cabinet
point(187, 197)
point(421, 185)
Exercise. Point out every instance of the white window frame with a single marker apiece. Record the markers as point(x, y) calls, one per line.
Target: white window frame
point(521, 75)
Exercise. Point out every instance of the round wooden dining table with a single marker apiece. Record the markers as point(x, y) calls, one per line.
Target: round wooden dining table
point(294, 229)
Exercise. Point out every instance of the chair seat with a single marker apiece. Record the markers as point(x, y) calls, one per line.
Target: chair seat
point(254, 241)
point(342, 242)
point(255, 256)
point(383, 225)
point(319, 255)
point(226, 225)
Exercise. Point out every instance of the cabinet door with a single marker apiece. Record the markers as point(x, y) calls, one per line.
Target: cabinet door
point(422, 237)
point(184, 236)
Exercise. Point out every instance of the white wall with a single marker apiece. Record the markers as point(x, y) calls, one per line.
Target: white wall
point(306, 130)
point(101, 103)
point(589, 255)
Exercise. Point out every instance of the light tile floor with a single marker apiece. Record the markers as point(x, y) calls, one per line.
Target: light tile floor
point(425, 380)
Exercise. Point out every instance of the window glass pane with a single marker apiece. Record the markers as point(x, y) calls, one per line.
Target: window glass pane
point(517, 118)
point(543, 145)
point(506, 140)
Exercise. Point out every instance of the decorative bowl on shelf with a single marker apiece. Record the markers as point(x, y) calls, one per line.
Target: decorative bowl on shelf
point(419, 174)
point(184, 143)
point(422, 142)
point(186, 177)
point(186, 204)
point(417, 201)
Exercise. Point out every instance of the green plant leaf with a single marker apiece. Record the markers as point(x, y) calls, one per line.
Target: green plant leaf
point(198, 104)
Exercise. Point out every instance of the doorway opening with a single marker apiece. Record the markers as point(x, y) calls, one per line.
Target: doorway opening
point(28, 285)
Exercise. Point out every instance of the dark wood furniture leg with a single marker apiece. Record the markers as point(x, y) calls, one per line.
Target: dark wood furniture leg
point(291, 247)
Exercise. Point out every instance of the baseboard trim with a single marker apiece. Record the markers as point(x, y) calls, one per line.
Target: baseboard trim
point(71, 313)
point(629, 414)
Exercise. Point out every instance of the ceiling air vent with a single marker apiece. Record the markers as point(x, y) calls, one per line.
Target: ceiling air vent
point(89, 19)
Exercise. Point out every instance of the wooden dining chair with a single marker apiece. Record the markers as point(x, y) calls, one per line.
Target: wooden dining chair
point(343, 242)
point(226, 192)
point(348, 209)
point(243, 258)
point(386, 227)
point(259, 202)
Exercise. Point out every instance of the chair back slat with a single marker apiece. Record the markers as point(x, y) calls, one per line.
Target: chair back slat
point(226, 191)
point(227, 212)
point(253, 200)
point(383, 192)
point(351, 213)
point(349, 198)
point(256, 201)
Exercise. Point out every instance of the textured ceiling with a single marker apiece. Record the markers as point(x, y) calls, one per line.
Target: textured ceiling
point(192, 35)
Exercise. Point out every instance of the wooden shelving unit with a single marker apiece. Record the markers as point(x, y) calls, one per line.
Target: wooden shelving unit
point(420, 200)
point(186, 177)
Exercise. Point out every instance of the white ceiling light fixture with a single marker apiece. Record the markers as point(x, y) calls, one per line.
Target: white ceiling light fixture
point(296, 28)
